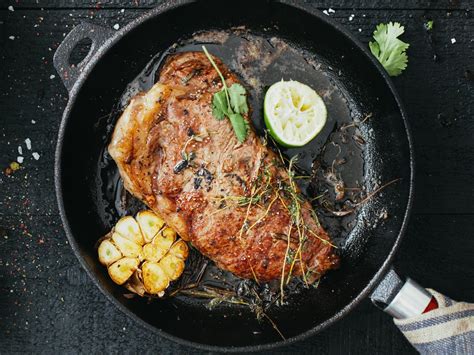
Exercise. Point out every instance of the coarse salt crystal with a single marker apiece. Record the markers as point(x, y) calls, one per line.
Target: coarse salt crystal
point(122, 11)
point(20, 150)
point(453, 40)
point(28, 143)
point(351, 17)
point(10, 8)
point(325, 12)
point(331, 11)
point(116, 26)
point(36, 155)
point(52, 76)
point(11, 37)
point(19, 160)
point(360, 29)
point(33, 121)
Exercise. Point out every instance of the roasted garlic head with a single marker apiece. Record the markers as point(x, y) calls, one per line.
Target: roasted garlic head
point(143, 254)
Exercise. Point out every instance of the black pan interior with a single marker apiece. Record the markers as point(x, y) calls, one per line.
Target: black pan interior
point(314, 52)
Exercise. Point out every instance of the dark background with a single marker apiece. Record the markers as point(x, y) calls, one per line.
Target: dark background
point(47, 302)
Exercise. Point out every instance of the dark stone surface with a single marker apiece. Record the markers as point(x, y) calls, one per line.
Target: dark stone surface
point(48, 304)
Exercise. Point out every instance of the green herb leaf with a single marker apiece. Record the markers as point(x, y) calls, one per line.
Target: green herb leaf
point(238, 100)
point(219, 105)
point(239, 125)
point(388, 49)
point(230, 102)
point(429, 25)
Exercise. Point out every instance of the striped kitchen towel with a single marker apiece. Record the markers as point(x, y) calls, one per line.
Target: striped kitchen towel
point(448, 329)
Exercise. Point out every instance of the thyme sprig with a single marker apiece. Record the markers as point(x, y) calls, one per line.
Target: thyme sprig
point(217, 296)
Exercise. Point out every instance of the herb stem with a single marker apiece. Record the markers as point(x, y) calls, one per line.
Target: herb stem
point(325, 241)
point(274, 326)
point(265, 214)
point(282, 280)
point(224, 85)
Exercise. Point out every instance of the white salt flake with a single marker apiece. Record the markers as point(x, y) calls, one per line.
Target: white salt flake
point(351, 17)
point(10, 8)
point(19, 160)
point(453, 40)
point(36, 155)
point(326, 12)
point(33, 121)
point(20, 150)
point(11, 37)
point(360, 29)
point(28, 143)
point(52, 76)
point(331, 11)
point(122, 11)
point(116, 26)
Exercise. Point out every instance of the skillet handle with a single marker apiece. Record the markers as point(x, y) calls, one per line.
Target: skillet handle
point(402, 299)
point(69, 73)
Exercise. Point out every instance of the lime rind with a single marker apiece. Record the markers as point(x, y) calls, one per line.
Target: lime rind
point(293, 113)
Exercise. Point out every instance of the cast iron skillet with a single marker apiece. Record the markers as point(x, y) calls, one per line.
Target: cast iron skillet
point(359, 85)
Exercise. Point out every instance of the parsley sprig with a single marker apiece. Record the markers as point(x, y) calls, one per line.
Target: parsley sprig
point(230, 102)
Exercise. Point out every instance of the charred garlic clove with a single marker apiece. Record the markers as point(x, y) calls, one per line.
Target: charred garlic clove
point(122, 269)
point(108, 253)
point(154, 278)
point(143, 254)
point(180, 249)
point(150, 224)
point(129, 228)
point(126, 247)
point(172, 266)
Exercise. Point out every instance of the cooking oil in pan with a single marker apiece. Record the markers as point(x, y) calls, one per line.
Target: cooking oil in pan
point(331, 166)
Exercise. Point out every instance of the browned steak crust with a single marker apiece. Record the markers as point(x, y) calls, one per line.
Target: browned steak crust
point(231, 200)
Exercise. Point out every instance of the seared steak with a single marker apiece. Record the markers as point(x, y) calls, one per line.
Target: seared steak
point(235, 202)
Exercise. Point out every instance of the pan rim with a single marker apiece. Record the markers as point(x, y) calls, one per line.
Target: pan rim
point(73, 93)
